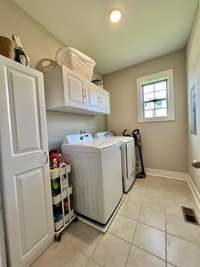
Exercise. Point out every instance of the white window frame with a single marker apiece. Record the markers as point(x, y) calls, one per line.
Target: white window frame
point(167, 75)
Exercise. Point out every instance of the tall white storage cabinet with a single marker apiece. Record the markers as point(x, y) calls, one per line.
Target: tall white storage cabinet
point(24, 163)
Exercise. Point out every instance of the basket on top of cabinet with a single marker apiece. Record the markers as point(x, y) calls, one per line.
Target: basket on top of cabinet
point(68, 91)
point(62, 198)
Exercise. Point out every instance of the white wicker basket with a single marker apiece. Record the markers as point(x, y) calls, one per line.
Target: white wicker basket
point(76, 61)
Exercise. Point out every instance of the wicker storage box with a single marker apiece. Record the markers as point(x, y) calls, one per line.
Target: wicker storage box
point(76, 61)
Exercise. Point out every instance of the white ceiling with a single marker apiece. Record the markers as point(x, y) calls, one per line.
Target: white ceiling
point(148, 28)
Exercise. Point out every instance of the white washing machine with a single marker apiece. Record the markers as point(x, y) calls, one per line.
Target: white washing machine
point(128, 157)
point(96, 175)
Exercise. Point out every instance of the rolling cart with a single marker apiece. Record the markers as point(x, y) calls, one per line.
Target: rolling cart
point(62, 198)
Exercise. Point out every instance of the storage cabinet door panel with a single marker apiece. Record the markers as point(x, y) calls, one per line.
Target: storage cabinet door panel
point(24, 111)
point(105, 101)
point(92, 97)
point(24, 150)
point(32, 210)
point(74, 90)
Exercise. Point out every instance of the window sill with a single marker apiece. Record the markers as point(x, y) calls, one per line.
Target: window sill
point(156, 120)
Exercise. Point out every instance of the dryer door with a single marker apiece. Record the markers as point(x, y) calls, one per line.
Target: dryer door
point(130, 162)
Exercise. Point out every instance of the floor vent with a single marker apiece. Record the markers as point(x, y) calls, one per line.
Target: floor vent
point(190, 216)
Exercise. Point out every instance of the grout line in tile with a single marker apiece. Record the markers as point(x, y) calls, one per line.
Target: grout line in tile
point(96, 247)
point(149, 252)
point(131, 242)
point(156, 228)
point(138, 221)
point(122, 239)
point(89, 259)
point(129, 252)
point(171, 264)
point(189, 241)
point(134, 220)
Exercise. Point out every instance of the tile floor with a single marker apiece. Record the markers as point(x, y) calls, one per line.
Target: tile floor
point(149, 231)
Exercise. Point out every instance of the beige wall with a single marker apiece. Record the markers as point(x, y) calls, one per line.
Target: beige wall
point(193, 77)
point(40, 44)
point(165, 143)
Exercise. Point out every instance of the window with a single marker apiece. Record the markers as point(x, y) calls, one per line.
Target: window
point(156, 97)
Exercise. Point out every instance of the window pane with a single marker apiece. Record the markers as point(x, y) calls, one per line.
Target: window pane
point(155, 99)
point(148, 88)
point(160, 104)
point(162, 85)
point(149, 114)
point(149, 105)
point(149, 97)
point(161, 94)
point(161, 112)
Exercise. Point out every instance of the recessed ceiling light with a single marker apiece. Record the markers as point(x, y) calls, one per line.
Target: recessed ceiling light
point(115, 16)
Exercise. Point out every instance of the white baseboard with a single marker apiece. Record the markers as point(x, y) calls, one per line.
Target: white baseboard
point(167, 174)
point(178, 176)
point(194, 190)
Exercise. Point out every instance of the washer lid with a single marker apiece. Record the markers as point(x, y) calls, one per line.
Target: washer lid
point(124, 139)
point(102, 144)
point(108, 135)
point(96, 144)
point(103, 135)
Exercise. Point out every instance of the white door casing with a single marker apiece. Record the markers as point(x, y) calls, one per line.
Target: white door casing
point(24, 157)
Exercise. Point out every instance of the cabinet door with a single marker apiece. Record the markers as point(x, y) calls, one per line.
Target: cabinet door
point(24, 163)
point(92, 96)
point(74, 91)
point(105, 101)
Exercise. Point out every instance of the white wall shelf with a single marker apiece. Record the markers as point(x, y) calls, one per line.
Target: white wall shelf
point(67, 91)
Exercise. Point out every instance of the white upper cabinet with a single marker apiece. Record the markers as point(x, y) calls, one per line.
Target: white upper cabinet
point(64, 90)
point(104, 101)
point(74, 90)
point(67, 91)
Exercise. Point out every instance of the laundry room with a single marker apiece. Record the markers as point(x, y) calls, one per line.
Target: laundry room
point(99, 133)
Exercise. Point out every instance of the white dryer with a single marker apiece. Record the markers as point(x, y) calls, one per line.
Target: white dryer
point(128, 157)
point(96, 175)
